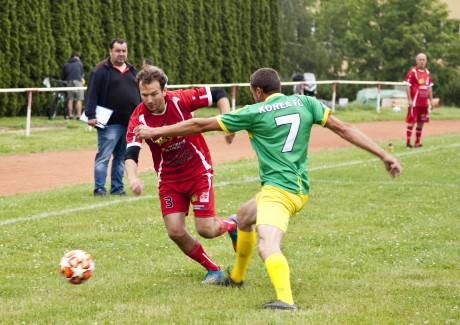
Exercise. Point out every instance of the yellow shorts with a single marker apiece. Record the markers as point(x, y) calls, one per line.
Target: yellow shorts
point(275, 206)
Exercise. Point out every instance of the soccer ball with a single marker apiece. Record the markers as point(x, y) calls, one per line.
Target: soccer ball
point(76, 266)
point(396, 109)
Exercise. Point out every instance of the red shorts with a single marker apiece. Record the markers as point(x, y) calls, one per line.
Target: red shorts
point(197, 191)
point(417, 115)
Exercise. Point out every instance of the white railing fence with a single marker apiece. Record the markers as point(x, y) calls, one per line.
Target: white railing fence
point(234, 86)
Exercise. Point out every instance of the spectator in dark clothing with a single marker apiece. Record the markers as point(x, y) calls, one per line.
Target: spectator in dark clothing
point(112, 84)
point(73, 73)
point(146, 62)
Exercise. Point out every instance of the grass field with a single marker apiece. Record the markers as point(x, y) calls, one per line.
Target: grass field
point(59, 134)
point(366, 249)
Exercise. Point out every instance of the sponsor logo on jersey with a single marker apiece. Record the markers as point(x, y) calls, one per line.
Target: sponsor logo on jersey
point(162, 140)
point(280, 105)
point(200, 207)
point(204, 197)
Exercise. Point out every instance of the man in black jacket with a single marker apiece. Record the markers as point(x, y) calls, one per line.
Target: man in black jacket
point(112, 84)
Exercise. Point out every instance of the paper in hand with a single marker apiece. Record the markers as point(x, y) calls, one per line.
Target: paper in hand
point(102, 115)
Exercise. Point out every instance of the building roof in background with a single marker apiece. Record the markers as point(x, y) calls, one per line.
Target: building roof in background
point(454, 8)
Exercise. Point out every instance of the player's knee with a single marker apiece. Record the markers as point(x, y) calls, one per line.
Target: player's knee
point(176, 234)
point(247, 214)
point(267, 247)
point(206, 232)
point(262, 249)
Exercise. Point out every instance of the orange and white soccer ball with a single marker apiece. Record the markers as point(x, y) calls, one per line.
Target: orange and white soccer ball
point(76, 266)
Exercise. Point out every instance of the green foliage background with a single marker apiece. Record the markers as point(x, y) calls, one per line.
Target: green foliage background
point(371, 40)
point(213, 41)
point(201, 41)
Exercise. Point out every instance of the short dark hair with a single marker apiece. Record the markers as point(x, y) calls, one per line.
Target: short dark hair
point(147, 61)
point(117, 40)
point(150, 74)
point(75, 55)
point(266, 79)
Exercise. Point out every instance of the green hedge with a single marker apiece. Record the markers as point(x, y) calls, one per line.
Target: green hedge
point(200, 41)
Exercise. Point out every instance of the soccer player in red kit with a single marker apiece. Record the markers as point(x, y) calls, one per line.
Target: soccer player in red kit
point(420, 98)
point(183, 164)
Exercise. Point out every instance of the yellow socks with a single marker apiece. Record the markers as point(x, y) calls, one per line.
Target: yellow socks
point(244, 249)
point(276, 265)
point(278, 270)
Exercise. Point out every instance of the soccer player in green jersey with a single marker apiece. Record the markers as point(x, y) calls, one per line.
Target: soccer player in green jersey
point(279, 130)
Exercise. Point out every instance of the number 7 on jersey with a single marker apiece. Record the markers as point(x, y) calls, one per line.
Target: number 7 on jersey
point(294, 121)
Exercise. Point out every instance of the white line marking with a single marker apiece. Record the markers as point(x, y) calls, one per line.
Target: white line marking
point(419, 184)
point(410, 152)
point(62, 212)
point(221, 184)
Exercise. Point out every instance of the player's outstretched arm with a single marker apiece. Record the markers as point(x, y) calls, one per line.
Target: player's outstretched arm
point(131, 159)
point(359, 139)
point(223, 104)
point(135, 184)
point(188, 127)
point(224, 107)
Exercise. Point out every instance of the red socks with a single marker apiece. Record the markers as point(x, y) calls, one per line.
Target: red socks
point(226, 225)
point(409, 133)
point(418, 136)
point(198, 254)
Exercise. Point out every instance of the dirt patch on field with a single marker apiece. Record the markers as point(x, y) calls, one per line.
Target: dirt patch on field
point(43, 171)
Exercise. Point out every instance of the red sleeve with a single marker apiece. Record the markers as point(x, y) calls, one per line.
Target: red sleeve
point(192, 99)
point(135, 120)
point(409, 76)
point(430, 81)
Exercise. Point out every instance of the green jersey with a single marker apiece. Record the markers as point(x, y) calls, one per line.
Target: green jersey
point(279, 130)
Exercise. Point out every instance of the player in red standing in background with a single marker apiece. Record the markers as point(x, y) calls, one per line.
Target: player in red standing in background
point(420, 98)
point(183, 164)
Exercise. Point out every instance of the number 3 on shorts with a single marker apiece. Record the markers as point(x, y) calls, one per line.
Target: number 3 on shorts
point(168, 202)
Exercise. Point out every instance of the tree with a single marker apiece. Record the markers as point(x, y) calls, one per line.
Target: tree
point(230, 45)
point(8, 55)
point(203, 41)
point(94, 45)
point(301, 49)
point(188, 47)
point(169, 46)
point(209, 39)
point(61, 15)
point(369, 39)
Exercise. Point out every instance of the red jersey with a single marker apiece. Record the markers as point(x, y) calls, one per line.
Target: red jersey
point(179, 158)
point(420, 82)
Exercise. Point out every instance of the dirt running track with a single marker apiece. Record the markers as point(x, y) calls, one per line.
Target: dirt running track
point(43, 171)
